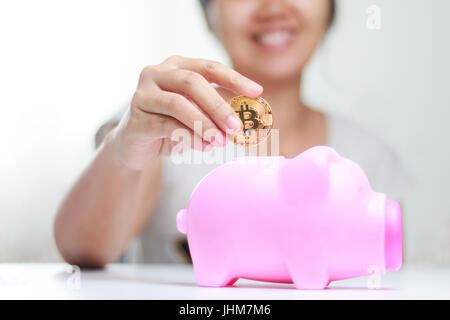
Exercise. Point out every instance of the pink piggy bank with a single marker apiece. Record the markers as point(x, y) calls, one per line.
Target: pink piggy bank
point(307, 220)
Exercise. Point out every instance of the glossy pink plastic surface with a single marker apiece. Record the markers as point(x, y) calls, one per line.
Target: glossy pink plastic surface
point(307, 220)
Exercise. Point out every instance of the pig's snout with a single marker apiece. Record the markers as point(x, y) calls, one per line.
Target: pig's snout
point(393, 236)
point(181, 221)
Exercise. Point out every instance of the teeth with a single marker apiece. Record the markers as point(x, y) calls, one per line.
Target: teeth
point(273, 38)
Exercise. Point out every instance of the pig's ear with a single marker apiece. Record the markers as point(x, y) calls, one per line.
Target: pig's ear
point(306, 177)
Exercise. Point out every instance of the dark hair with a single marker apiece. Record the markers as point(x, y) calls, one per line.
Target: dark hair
point(205, 4)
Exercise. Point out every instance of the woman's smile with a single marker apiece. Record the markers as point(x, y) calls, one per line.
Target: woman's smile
point(273, 38)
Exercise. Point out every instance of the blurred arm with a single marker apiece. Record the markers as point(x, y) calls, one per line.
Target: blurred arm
point(105, 209)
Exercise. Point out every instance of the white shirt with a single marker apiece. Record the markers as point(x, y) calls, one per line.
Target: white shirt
point(160, 241)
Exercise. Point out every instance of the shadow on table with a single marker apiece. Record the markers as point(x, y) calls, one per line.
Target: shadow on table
point(111, 275)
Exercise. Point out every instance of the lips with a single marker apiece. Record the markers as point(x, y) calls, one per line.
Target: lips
point(273, 39)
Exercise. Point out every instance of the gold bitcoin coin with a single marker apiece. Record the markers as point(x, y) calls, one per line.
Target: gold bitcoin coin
point(256, 117)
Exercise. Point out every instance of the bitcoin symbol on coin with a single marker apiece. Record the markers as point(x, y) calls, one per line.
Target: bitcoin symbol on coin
point(252, 119)
point(256, 117)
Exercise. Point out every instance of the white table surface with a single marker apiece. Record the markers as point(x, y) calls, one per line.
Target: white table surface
point(122, 281)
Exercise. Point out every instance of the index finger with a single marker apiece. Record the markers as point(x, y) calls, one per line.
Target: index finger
point(218, 73)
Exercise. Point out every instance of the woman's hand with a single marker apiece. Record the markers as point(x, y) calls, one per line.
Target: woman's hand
point(171, 96)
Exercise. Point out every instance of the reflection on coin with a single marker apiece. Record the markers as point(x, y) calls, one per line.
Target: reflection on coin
point(256, 117)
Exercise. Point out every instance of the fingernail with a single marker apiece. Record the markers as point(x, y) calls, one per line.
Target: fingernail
point(254, 87)
point(234, 123)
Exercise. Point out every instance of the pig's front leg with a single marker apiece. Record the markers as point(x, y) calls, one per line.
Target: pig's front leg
point(308, 267)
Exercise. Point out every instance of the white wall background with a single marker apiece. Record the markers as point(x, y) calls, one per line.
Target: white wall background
point(67, 65)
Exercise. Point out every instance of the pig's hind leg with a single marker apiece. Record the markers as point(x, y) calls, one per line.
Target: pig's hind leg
point(213, 279)
point(214, 271)
point(213, 261)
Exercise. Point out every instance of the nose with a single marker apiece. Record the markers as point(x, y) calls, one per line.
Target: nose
point(272, 9)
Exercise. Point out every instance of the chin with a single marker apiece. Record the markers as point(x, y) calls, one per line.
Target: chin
point(270, 64)
point(271, 70)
